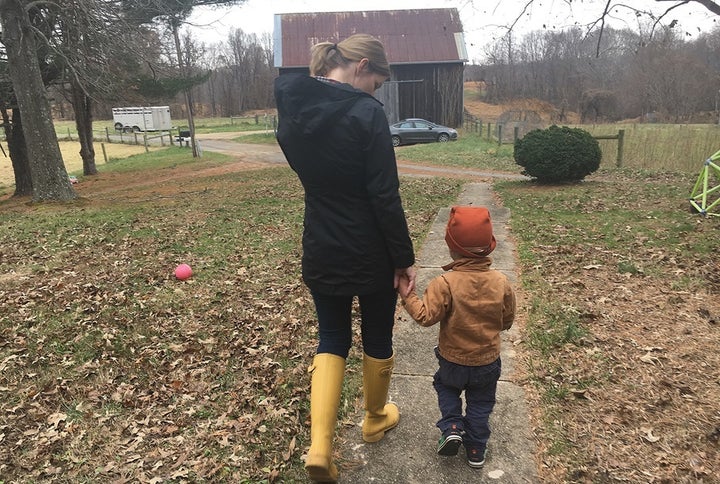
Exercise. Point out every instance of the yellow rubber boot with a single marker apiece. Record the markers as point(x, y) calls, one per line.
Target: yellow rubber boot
point(380, 416)
point(328, 371)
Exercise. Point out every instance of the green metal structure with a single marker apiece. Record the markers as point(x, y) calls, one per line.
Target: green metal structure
point(706, 195)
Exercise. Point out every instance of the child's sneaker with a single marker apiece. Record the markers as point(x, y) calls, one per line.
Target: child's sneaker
point(450, 442)
point(475, 457)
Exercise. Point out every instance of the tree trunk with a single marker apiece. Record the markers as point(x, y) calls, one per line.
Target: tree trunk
point(82, 105)
point(188, 92)
point(18, 153)
point(49, 178)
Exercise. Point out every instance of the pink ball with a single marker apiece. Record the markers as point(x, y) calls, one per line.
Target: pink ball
point(183, 271)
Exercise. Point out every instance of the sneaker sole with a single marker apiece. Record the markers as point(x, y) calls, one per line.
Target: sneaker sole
point(450, 446)
point(476, 465)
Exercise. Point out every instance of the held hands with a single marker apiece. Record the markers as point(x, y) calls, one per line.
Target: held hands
point(405, 280)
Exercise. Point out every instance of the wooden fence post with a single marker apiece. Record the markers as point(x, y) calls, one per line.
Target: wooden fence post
point(499, 131)
point(620, 137)
point(107, 136)
point(104, 152)
point(621, 143)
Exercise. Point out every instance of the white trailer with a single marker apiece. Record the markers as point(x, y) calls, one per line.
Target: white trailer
point(150, 118)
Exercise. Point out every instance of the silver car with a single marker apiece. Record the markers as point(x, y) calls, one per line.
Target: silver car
point(416, 130)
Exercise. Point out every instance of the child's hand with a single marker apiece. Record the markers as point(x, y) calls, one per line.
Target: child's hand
point(405, 281)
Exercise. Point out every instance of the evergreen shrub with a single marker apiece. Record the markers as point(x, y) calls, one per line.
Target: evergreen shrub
point(558, 154)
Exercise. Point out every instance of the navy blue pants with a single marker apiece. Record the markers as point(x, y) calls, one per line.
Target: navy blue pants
point(480, 386)
point(377, 315)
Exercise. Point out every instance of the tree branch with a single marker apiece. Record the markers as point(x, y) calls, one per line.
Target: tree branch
point(709, 4)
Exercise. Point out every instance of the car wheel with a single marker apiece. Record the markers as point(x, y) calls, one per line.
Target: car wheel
point(118, 126)
point(136, 129)
point(396, 140)
point(443, 138)
point(127, 129)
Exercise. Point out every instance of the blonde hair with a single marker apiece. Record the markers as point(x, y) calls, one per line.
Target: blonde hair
point(325, 56)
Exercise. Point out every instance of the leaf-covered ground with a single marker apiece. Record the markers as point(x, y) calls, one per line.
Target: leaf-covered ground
point(622, 294)
point(111, 370)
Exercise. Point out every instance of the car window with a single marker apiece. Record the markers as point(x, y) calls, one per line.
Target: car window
point(421, 125)
point(406, 125)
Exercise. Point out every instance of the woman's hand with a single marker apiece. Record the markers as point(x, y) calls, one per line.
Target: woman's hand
point(405, 280)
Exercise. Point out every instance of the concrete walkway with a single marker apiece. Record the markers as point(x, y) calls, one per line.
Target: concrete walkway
point(407, 454)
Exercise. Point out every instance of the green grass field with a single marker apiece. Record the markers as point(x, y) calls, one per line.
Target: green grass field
point(101, 128)
point(658, 147)
point(113, 370)
point(655, 147)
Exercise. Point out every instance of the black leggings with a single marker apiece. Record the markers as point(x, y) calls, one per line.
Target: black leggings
point(377, 313)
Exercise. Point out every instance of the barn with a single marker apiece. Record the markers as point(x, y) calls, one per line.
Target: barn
point(425, 49)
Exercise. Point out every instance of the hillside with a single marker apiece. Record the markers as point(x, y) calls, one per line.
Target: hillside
point(547, 112)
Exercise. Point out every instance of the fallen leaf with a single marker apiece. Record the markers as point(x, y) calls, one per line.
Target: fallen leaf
point(55, 419)
point(648, 435)
point(291, 449)
point(648, 358)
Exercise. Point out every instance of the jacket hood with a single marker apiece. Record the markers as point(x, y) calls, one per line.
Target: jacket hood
point(311, 106)
point(469, 264)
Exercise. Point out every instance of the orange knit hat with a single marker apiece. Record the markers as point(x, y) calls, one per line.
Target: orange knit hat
point(469, 231)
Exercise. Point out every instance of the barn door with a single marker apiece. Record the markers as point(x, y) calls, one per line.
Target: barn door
point(388, 95)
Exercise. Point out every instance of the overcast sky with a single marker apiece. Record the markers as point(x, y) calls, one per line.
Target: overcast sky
point(483, 20)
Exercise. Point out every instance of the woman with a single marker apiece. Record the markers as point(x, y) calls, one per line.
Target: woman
point(335, 136)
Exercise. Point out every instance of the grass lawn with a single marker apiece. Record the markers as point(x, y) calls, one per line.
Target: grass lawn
point(112, 369)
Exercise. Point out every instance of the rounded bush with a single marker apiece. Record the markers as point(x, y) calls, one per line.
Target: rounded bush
point(558, 154)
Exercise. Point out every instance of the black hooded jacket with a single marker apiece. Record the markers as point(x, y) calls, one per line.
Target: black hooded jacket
point(336, 138)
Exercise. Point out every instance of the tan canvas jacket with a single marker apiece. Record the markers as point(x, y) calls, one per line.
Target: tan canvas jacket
point(472, 303)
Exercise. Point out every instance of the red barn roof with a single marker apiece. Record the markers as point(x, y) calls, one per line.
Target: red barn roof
point(409, 36)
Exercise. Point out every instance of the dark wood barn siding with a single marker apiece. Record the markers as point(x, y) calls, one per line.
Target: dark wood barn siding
point(438, 97)
point(430, 91)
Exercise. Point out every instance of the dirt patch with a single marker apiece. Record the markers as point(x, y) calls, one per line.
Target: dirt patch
point(137, 186)
point(491, 113)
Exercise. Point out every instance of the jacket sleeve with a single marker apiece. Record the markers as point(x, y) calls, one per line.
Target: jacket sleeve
point(382, 184)
point(508, 307)
point(434, 306)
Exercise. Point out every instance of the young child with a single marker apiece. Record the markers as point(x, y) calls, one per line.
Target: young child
point(473, 303)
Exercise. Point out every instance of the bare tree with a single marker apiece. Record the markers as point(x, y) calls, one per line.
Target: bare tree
point(659, 16)
point(49, 178)
point(173, 14)
point(84, 36)
point(17, 149)
point(241, 73)
point(669, 76)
